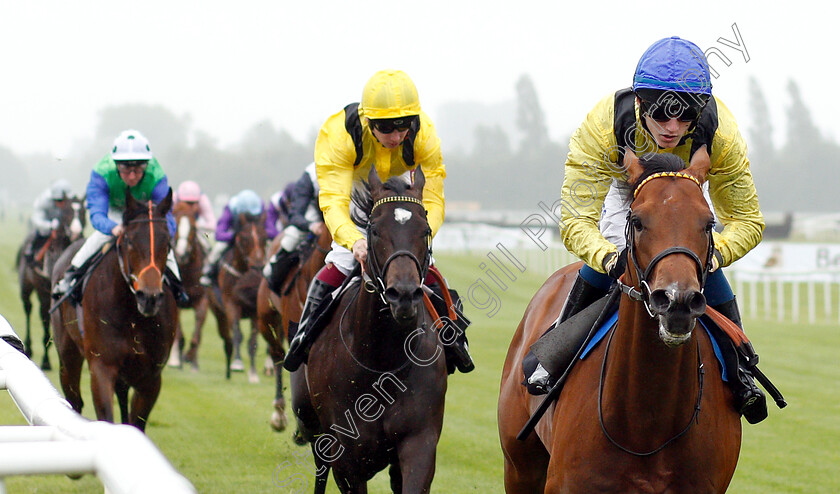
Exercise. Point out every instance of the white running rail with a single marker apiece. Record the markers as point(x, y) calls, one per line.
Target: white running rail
point(64, 442)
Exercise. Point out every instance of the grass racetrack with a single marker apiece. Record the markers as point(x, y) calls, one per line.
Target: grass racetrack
point(216, 432)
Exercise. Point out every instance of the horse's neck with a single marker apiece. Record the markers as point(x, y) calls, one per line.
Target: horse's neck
point(642, 375)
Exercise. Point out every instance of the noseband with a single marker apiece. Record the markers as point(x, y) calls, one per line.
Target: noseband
point(643, 293)
point(125, 269)
point(377, 273)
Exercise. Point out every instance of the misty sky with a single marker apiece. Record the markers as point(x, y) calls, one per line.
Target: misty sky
point(230, 65)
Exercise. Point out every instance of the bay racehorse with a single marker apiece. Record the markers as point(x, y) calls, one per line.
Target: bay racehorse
point(125, 324)
point(277, 312)
point(646, 411)
point(372, 393)
point(234, 296)
point(34, 276)
point(190, 256)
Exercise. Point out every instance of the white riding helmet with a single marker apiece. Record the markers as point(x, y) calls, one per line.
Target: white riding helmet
point(131, 145)
point(59, 190)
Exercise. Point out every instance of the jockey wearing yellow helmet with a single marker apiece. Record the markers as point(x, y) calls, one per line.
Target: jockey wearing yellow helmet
point(669, 109)
point(388, 131)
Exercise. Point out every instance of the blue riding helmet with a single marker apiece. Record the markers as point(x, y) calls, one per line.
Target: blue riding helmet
point(248, 202)
point(673, 64)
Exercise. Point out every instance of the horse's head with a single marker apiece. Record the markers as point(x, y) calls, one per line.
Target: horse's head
point(142, 249)
point(399, 241)
point(250, 240)
point(669, 237)
point(186, 234)
point(72, 218)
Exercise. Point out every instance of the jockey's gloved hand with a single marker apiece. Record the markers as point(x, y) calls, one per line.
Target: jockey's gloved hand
point(54, 223)
point(717, 260)
point(615, 263)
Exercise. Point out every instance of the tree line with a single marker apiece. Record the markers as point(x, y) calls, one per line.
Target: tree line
point(512, 163)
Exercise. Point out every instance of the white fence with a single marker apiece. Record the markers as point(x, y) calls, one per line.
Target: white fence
point(63, 442)
point(780, 281)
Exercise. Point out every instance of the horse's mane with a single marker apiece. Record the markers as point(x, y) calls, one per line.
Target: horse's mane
point(363, 201)
point(658, 163)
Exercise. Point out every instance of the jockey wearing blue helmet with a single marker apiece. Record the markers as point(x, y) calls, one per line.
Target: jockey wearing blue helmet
point(245, 202)
point(668, 109)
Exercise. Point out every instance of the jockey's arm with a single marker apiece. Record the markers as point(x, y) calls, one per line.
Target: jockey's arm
point(97, 204)
point(427, 155)
point(40, 220)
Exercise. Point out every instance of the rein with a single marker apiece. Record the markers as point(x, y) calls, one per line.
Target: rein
point(642, 294)
point(377, 272)
point(700, 373)
point(125, 268)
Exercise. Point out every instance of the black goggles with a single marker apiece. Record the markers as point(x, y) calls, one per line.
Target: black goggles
point(132, 164)
point(386, 126)
point(665, 109)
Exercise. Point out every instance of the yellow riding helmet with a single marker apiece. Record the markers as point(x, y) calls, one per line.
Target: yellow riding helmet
point(390, 94)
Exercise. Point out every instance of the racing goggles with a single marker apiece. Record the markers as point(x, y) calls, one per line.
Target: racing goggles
point(388, 125)
point(670, 106)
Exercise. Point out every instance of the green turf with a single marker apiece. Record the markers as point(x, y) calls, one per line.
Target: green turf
point(216, 432)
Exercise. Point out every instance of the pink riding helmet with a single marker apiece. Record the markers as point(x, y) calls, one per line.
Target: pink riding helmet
point(189, 191)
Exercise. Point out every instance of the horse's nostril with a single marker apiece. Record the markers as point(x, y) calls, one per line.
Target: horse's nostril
point(696, 303)
point(660, 301)
point(392, 295)
point(417, 295)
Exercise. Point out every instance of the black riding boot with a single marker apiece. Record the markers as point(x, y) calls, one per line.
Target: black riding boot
point(749, 399)
point(458, 352)
point(67, 283)
point(299, 347)
point(581, 296)
point(281, 263)
point(181, 298)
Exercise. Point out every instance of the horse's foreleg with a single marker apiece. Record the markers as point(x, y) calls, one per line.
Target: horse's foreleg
point(142, 401)
point(278, 416)
point(177, 346)
point(27, 309)
point(191, 355)
point(416, 455)
point(252, 353)
point(103, 378)
point(121, 388)
point(70, 362)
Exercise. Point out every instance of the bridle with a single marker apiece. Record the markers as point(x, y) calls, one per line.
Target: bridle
point(377, 271)
point(643, 293)
point(125, 267)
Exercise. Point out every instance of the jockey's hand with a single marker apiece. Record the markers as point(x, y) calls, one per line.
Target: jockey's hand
point(615, 264)
point(317, 228)
point(54, 224)
point(117, 230)
point(360, 250)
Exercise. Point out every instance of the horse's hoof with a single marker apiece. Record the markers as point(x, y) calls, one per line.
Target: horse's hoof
point(46, 366)
point(237, 365)
point(279, 421)
point(297, 437)
point(174, 361)
point(253, 378)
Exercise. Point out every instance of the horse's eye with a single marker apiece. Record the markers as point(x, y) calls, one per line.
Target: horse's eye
point(636, 223)
point(374, 232)
point(710, 226)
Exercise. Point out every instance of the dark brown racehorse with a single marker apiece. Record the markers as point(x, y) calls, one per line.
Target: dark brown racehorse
point(128, 319)
point(190, 256)
point(276, 311)
point(35, 277)
point(646, 411)
point(234, 297)
point(372, 394)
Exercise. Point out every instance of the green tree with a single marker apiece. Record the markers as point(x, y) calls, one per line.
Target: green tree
point(761, 144)
point(530, 119)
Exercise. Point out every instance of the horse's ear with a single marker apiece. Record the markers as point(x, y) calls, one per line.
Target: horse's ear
point(374, 180)
point(419, 180)
point(166, 204)
point(700, 164)
point(631, 164)
point(130, 201)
